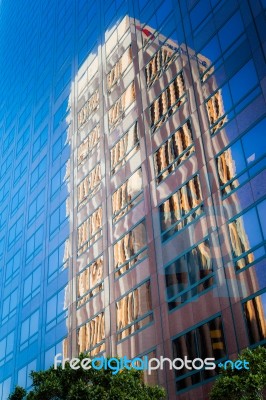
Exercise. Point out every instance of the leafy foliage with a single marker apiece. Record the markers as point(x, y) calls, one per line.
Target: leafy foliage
point(70, 384)
point(243, 384)
point(18, 394)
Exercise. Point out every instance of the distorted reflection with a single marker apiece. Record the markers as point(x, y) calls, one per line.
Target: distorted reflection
point(189, 275)
point(90, 230)
point(91, 336)
point(134, 311)
point(159, 64)
point(127, 196)
point(215, 109)
point(173, 152)
point(88, 109)
point(89, 143)
point(90, 281)
point(168, 102)
point(122, 106)
point(130, 249)
point(90, 185)
point(119, 68)
point(125, 148)
point(181, 208)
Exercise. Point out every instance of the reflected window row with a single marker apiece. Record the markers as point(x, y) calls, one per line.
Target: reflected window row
point(134, 311)
point(90, 231)
point(90, 281)
point(182, 208)
point(189, 276)
point(91, 336)
point(125, 148)
point(159, 63)
point(90, 185)
point(130, 249)
point(122, 106)
point(88, 144)
point(127, 195)
point(119, 69)
point(173, 152)
point(168, 102)
point(88, 109)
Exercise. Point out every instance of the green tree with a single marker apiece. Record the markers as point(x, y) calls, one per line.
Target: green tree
point(103, 384)
point(243, 384)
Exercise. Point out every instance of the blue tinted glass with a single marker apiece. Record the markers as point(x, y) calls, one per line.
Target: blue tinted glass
point(262, 216)
point(254, 142)
point(163, 11)
point(238, 157)
point(212, 50)
point(252, 232)
point(231, 30)
point(226, 98)
point(243, 81)
point(199, 13)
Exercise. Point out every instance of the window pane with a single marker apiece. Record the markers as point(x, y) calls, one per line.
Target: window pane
point(92, 336)
point(132, 308)
point(255, 312)
point(130, 249)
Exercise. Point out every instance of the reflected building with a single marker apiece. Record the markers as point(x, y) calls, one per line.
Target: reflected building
point(135, 220)
point(155, 271)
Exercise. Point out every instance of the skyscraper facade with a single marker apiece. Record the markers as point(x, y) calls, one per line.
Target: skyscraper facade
point(132, 186)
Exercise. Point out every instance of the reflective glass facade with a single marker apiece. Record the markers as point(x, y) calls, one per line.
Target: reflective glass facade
point(132, 183)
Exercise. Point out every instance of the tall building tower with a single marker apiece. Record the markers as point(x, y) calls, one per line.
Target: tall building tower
point(132, 184)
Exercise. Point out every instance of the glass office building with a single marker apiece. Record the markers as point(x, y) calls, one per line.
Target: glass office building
point(132, 187)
